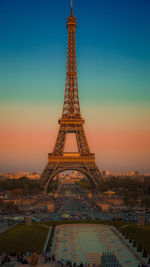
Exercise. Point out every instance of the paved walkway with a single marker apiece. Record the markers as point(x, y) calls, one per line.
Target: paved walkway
point(82, 241)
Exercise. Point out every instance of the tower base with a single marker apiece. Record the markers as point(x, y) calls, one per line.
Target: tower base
point(71, 161)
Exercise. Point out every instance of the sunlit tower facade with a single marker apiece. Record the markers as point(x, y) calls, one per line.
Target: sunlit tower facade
point(71, 122)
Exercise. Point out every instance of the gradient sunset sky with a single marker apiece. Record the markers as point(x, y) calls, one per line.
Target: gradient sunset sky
point(113, 59)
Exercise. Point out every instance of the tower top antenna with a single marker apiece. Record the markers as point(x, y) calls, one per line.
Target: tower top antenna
point(71, 9)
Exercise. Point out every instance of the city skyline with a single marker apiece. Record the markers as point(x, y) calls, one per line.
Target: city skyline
point(113, 61)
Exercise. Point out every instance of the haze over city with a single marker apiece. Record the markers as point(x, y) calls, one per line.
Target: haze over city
point(113, 60)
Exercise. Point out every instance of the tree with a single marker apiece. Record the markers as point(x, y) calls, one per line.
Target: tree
point(16, 192)
point(1, 203)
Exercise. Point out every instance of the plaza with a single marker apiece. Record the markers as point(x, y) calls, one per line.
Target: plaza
point(87, 242)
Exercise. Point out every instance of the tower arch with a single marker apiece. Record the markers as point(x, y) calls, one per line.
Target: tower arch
point(81, 170)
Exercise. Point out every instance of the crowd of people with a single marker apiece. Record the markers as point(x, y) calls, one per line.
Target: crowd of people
point(65, 263)
point(33, 259)
point(21, 258)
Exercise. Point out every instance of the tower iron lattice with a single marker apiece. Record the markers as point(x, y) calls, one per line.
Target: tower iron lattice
point(71, 122)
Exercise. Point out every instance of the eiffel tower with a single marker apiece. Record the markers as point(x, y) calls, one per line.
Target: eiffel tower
point(71, 122)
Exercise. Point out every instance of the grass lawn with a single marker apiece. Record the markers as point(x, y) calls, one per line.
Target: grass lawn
point(23, 238)
point(141, 234)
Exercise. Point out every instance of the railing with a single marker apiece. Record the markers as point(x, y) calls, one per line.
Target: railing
point(50, 239)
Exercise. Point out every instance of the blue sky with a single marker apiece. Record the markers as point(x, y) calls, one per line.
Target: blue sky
point(113, 40)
